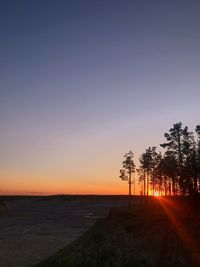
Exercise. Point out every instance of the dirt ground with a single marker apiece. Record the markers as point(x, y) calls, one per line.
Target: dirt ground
point(33, 228)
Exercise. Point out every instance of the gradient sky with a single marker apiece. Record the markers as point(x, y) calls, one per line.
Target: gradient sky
point(83, 82)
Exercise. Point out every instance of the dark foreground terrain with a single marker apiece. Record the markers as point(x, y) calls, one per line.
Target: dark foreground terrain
point(33, 228)
point(156, 232)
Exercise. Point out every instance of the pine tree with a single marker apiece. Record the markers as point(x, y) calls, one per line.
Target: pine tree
point(126, 174)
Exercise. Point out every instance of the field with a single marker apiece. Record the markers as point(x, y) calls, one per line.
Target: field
point(33, 228)
point(100, 231)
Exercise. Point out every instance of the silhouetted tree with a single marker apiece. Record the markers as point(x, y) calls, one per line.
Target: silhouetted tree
point(145, 167)
point(190, 163)
point(154, 158)
point(175, 146)
point(169, 167)
point(144, 171)
point(142, 180)
point(149, 170)
point(175, 172)
point(183, 155)
point(126, 174)
point(198, 156)
point(158, 174)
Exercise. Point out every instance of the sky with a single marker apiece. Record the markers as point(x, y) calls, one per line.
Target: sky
point(84, 82)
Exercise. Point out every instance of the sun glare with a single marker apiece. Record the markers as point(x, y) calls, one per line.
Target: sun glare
point(156, 194)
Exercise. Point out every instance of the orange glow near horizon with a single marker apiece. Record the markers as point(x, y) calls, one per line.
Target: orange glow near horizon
point(17, 185)
point(71, 191)
point(67, 189)
point(24, 183)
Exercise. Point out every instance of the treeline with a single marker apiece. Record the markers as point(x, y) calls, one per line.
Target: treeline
point(176, 171)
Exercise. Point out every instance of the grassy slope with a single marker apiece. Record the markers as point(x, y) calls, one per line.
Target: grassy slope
point(143, 236)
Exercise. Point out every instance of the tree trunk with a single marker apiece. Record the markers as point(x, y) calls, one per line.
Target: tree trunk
point(165, 185)
point(153, 185)
point(129, 183)
point(147, 183)
point(170, 188)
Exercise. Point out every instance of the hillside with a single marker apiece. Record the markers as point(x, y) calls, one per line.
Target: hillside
point(158, 232)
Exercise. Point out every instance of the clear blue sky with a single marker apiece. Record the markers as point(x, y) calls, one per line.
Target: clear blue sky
point(83, 82)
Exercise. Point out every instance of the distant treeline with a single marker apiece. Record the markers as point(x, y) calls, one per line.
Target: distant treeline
point(174, 172)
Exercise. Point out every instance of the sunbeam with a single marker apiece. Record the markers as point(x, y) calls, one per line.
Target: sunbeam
point(175, 211)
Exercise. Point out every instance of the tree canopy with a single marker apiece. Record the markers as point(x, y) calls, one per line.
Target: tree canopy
point(175, 171)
